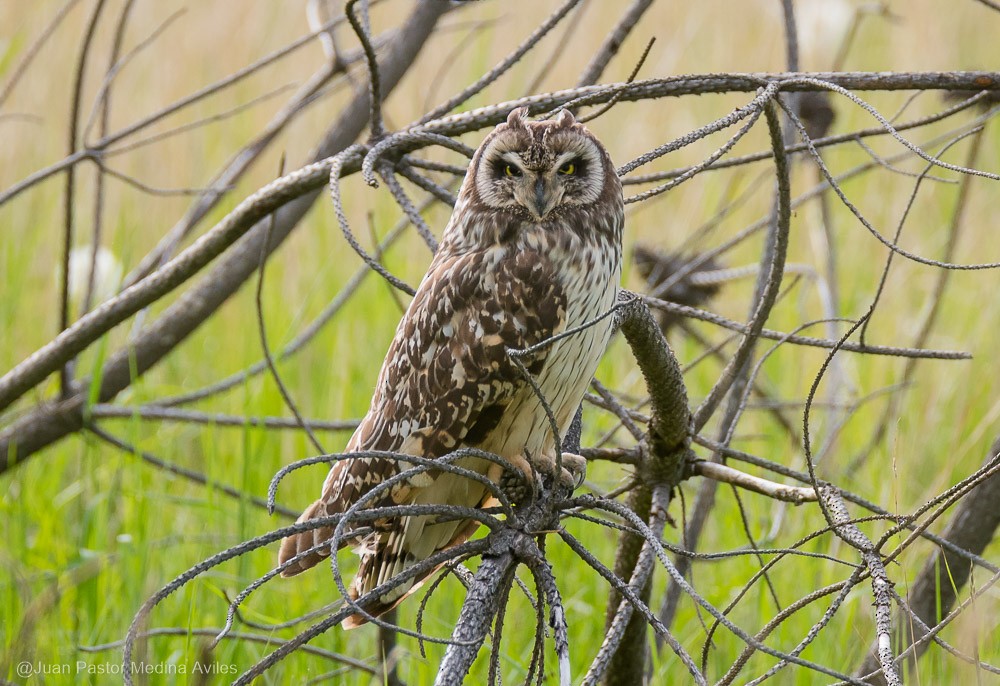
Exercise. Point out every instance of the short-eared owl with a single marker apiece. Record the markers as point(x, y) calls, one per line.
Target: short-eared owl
point(532, 249)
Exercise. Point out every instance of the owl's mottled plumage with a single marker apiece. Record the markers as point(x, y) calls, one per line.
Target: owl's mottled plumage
point(533, 249)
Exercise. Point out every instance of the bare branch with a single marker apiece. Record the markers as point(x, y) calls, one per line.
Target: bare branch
point(935, 590)
point(881, 584)
point(720, 472)
point(613, 42)
point(294, 193)
point(776, 264)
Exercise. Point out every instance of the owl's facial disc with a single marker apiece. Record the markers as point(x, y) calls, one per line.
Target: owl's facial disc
point(540, 168)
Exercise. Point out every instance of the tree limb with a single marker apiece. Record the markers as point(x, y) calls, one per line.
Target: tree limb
point(297, 192)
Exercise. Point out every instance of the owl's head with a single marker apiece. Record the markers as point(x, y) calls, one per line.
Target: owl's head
point(540, 168)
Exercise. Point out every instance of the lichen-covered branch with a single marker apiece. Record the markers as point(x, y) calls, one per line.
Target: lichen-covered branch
point(662, 460)
point(934, 592)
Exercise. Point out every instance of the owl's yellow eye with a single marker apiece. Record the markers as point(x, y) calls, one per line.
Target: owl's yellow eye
point(569, 169)
point(511, 170)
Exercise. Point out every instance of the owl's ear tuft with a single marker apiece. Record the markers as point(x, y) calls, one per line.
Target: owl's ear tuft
point(565, 119)
point(517, 117)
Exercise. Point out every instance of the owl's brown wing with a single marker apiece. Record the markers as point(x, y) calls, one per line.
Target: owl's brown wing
point(447, 378)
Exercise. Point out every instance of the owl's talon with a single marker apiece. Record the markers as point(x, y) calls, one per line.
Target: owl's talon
point(574, 471)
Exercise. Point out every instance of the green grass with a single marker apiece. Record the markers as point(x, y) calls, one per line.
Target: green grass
point(90, 532)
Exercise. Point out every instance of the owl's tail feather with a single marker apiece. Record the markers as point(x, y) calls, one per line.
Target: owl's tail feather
point(387, 553)
point(390, 560)
point(301, 542)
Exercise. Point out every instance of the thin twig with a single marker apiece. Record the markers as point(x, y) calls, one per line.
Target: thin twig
point(69, 197)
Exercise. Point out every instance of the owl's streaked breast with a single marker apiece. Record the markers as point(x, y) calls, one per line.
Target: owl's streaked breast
point(588, 267)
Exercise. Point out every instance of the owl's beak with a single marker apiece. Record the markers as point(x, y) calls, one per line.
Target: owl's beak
point(544, 199)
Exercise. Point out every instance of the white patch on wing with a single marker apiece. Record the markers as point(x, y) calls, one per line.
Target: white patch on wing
point(428, 355)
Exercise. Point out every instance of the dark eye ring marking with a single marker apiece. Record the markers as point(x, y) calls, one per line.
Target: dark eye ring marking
point(511, 170)
point(571, 168)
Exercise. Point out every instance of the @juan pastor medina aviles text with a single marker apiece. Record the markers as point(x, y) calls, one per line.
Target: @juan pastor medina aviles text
point(28, 669)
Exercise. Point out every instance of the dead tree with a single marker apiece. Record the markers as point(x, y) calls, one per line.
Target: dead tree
point(666, 432)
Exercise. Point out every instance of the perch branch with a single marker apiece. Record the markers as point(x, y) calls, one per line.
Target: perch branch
point(661, 464)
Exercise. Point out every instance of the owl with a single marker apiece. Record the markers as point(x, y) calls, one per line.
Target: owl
point(532, 250)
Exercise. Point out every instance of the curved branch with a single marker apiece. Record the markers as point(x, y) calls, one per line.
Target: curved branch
point(663, 455)
point(778, 239)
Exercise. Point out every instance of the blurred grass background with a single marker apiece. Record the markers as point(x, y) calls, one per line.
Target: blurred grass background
point(91, 532)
